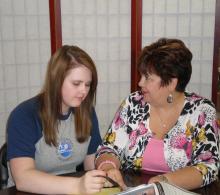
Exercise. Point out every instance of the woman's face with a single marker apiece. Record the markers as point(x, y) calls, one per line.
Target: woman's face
point(75, 88)
point(152, 90)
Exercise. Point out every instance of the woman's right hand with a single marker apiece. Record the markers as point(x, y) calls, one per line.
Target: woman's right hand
point(115, 174)
point(91, 182)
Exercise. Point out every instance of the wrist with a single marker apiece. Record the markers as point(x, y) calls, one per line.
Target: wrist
point(106, 165)
point(163, 178)
point(76, 181)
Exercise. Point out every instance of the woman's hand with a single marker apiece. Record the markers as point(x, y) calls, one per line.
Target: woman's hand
point(188, 178)
point(91, 182)
point(111, 164)
point(115, 174)
point(158, 178)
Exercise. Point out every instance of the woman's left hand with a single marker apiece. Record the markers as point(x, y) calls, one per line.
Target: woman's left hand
point(158, 178)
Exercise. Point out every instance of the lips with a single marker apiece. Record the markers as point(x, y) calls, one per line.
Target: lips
point(80, 98)
point(144, 92)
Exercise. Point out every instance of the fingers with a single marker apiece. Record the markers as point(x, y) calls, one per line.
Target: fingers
point(121, 183)
point(107, 184)
point(153, 180)
point(95, 173)
point(92, 182)
point(115, 174)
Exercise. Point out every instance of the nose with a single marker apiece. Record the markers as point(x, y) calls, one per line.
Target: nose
point(83, 89)
point(141, 81)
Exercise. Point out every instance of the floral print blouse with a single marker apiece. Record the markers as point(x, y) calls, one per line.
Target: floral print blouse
point(193, 140)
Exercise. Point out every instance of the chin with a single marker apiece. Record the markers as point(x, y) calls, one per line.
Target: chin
point(76, 103)
point(146, 98)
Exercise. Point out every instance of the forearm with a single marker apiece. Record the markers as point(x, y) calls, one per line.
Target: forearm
point(89, 162)
point(42, 183)
point(188, 178)
point(107, 161)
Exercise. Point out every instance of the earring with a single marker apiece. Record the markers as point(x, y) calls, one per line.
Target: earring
point(170, 98)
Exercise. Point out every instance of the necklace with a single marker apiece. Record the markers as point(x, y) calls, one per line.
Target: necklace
point(162, 124)
point(169, 117)
point(165, 117)
point(160, 128)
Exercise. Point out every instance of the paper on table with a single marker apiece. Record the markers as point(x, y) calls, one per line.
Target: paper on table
point(148, 188)
point(108, 191)
point(172, 189)
point(158, 188)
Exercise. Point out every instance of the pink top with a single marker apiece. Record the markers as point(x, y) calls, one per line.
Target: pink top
point(153, 157)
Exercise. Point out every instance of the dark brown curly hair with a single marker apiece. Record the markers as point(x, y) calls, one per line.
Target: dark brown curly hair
point(167, 58)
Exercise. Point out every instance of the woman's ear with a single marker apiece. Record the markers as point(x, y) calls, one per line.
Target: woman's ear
point(173, 84)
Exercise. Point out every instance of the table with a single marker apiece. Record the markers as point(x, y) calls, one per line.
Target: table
point(134, 178)
point(131, 178)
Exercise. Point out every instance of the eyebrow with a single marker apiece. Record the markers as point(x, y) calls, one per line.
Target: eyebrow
point(80, 81)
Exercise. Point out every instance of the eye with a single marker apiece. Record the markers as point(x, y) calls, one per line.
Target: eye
point(76, 83)
point(88, 84)
point(146, 76)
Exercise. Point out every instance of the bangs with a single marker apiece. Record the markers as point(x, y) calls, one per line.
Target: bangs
point(146, 69)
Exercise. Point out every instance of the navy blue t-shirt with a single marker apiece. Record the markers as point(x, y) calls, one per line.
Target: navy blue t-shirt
point(24, 130)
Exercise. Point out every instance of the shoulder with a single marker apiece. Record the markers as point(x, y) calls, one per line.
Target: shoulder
point(194, 98)
point(197, 105)
point(134, 105)
point(137, 95)
point(26, 109)
point(27, 105)
point(24, 129)
point(135, 98)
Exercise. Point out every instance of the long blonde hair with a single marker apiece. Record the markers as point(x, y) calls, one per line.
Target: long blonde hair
point(64, 59)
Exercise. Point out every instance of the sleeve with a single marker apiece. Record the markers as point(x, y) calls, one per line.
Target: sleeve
point(206, 143)
point(22, 133)
point(116, 137)
point(95, 134)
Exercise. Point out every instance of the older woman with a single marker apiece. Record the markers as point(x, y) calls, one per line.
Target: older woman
point(163, 128)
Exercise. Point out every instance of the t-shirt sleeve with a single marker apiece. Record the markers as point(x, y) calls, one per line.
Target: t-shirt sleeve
point(95, 135)
point(23, 131)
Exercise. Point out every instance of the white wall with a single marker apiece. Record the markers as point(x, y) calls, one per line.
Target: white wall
point(102, 28)
point(24, 52)
point(193, 22)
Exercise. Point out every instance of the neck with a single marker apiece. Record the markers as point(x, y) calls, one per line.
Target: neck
point(167, 113)
point(178, 100)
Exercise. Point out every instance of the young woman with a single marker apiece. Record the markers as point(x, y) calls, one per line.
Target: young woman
point(53, 132)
